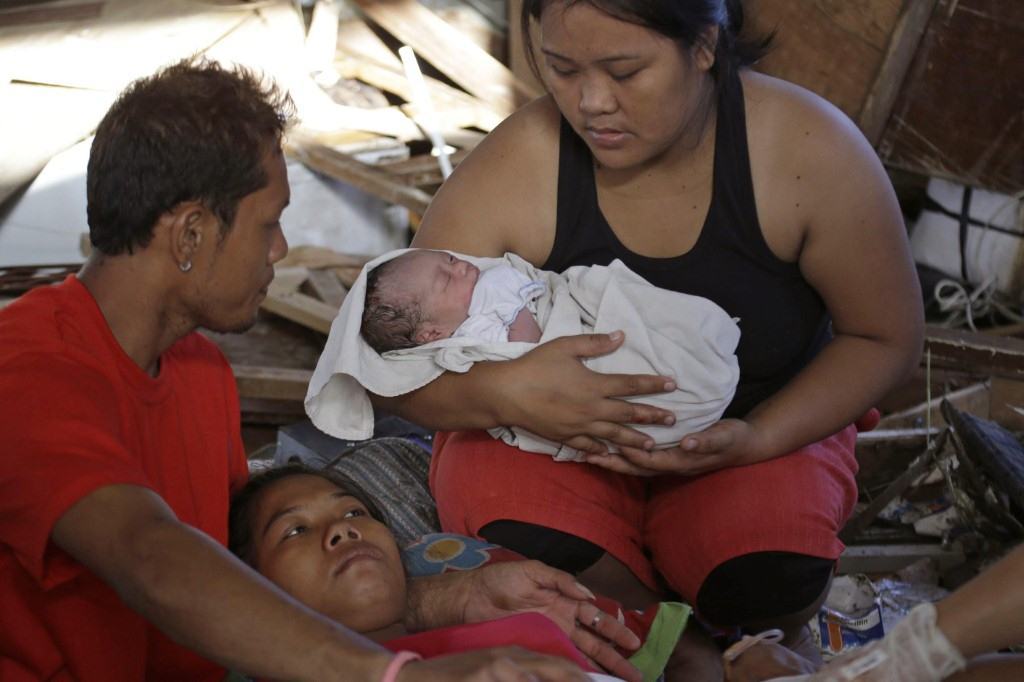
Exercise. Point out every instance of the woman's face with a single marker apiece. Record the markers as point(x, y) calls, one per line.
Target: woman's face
point(321, 545)
point(628, 91)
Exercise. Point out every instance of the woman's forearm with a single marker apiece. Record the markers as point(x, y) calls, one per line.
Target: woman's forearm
point(985, 614)
point(451, 402)
point(847, 378)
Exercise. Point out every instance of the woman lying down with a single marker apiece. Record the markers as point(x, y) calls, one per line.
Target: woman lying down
point(320, 538)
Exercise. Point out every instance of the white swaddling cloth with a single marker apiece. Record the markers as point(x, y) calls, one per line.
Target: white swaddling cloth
point(500, 293)
point(688, 338)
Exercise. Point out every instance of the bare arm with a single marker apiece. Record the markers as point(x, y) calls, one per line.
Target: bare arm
point(985, 614)
point(851, 246)
point(856, 255)
point(524, 328)
point(203, 597)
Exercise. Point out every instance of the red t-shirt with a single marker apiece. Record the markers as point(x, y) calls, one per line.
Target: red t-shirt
point(77, 414)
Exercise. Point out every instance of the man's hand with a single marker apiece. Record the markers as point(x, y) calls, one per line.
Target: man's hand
point(551, 393)
point(727, 443)
point(507, 664)
point(501, 589)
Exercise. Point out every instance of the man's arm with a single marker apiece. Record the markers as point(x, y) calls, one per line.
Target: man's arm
point(207, 600)
point(203, 597)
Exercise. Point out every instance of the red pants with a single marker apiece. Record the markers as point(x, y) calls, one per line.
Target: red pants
point(679, 527)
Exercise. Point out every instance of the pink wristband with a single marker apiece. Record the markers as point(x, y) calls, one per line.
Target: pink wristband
point(396, 663)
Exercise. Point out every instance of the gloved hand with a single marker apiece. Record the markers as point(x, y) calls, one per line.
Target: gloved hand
point(914, 651)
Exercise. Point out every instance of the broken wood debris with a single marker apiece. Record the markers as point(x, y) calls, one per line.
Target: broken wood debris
point(366, 177)
point(994, 458)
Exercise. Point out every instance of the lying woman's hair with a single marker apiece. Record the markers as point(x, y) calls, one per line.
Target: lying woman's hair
point(244, 502)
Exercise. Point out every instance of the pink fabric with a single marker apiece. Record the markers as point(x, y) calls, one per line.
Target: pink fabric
point(679, 527)
point(531, 631)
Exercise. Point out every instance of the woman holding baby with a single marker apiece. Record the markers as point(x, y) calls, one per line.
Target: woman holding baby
point(656, 145)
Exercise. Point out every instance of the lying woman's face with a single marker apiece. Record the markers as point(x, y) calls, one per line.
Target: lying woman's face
point(321, 545)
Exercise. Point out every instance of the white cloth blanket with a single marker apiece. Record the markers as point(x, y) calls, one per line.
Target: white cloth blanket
point(688, 338)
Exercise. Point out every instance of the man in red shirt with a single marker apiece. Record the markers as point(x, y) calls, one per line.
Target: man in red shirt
point(121, 426)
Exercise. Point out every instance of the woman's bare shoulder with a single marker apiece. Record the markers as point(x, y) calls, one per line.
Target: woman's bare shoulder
point(805, 155)
point(798, 123)
point(502, 197)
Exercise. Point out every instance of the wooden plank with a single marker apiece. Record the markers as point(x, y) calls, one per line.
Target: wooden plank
point(960, 113)
point(370, 179)
point(890, 558)
point(272, 342)
point(279, 24)
point(450, 52)
point(832, 48)
point(300, 308)
point(288, 279)
point(284, 299)
point(975, 352)
point(358, 40)
point(423, 169)
point(345, 265)
point(447, 101)
point(895, 65)
point(322, 36)
point(856, 525)
point(975, 399)
point(327, 288)
point(1007, 403)
point(271, 383)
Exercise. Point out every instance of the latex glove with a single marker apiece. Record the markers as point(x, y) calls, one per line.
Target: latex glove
point(915, 651)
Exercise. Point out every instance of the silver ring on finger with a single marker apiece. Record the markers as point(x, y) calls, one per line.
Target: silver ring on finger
point(595, 620)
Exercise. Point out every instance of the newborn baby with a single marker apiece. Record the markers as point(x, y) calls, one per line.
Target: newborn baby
point(422, 296)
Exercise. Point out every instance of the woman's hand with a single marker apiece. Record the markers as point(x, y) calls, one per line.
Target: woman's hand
point(505, 588)
point(729, 442)
point(551, 393)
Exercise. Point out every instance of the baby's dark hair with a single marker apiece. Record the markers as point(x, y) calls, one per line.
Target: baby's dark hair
point(391, 316)
point(240, 540)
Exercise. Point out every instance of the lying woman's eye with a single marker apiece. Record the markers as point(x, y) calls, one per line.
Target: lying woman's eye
point(624, 76)
point(351, 513)
point(294, 531)
point(559, 71)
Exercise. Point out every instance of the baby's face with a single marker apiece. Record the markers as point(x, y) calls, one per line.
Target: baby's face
point(444, 285)
point(320, 544)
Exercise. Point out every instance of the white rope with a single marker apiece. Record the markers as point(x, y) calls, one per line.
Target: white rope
point(963, 307)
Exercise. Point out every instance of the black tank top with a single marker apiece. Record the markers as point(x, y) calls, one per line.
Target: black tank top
point(783, 321)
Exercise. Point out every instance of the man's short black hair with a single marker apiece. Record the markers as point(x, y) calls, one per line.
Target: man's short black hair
point(194, 131)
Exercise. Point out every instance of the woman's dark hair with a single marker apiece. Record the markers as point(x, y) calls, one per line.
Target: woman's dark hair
point(244, 501)
point(681, 20)
point(194, 131)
